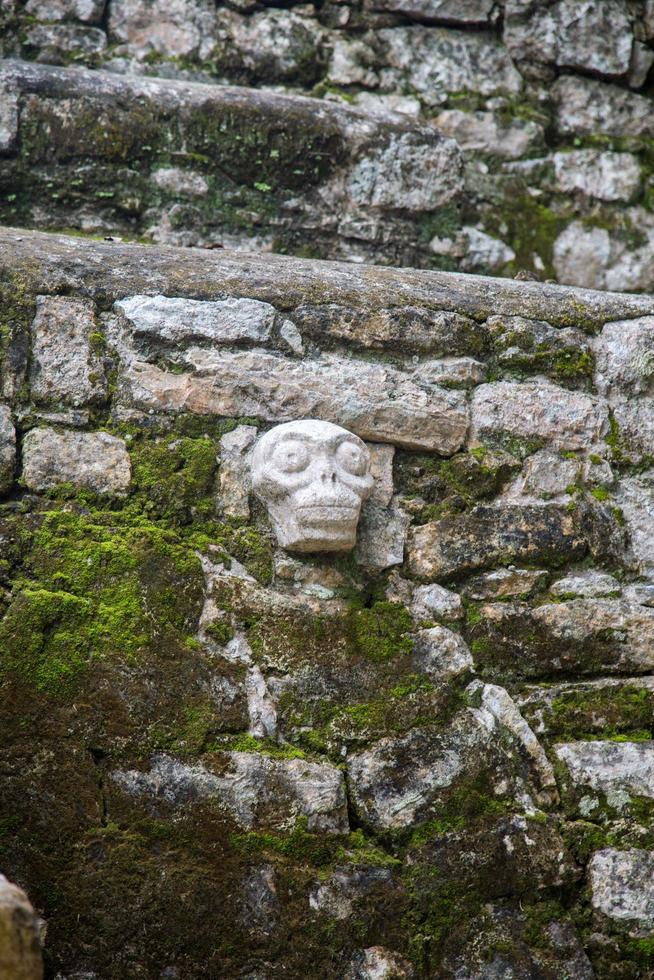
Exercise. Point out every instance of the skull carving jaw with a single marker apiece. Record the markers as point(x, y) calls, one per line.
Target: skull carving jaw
point(313, 477)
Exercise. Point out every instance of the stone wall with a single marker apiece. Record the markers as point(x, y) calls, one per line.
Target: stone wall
point(549, 103)
point(429, 758)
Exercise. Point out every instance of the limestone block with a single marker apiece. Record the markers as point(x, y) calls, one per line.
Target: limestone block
point(538, 411)
point(382, 535)
point(8, 118)
point(234, 476)
point(622, 884)
point(610, 767)
point(441, 654)
point(271, 46)
point(587, 583)
point(506, 583)
point(435, 602)
point(88, 11)
point(578, 34)
point(468, 542)
point(178, 320)
point(465, 12)
point(405, 173)
point(603, 175)
point(379, 963)
point(436, 62)
point(63, 42)
point(7, 449)
point(92, 460)
point(587, 107)
point(66, 367)
point(173, 28)
point(635, 498)
point(254, 789)
point(181, 182)
point(482, 132)
point(376, 402)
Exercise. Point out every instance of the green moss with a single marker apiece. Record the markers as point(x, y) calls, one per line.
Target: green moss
point(265, 746)
point(609, 712)
point(529, 227)
point(92, 588)
point(381, 632)
point(175, 477)
point(220, 631)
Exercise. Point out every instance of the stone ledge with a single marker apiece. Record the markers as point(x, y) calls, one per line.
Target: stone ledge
point(51, 263)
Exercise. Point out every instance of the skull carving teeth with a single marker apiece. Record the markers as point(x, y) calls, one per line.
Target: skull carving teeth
point(313, 477)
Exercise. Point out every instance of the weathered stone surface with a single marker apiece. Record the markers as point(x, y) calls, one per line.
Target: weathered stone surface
point(269, 46)
point(88, 11)
point(118, 269)
point(441, 654)
point(378, 963)
point(159, 636)
point(466, 12)
point(375, 402)
point(536, 411)
point(635, 498)
point(435, 602)
point(177, 320)
point(586, 584)
point(624, 371)
point(506, 583)
point(483, 132)
point(20, 945)
point(546, 475)
point(399, 781)
point(391, 795)
point(65, 365)
point(582, 636)
point(235, 482)
point(586, 107)
point(176, 29)
point(407, 174)
point(438, 62)
point(613, 768)
point(465, 543)
point(336, 177)
point(62, 43)
point(606, 176)
point(7, 449)
point(622, 885)
point(8, 118)
point(593, 706)
point(382, 535)
point(582, 255)
point(93, 460)
point(571, 34)
point(415, 329)
point(256, 790)
point(337, 896)
point(624, 354)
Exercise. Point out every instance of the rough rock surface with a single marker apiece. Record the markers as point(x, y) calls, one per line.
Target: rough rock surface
point(547, 105)
point(622, 888)
point(20, 944)
point(92, 460)
point(427, 757)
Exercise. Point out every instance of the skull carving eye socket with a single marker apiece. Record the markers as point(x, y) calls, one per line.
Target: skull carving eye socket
point(352, 458)
point(291, 456)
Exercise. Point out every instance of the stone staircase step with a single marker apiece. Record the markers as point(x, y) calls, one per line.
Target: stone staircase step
point(192, 164)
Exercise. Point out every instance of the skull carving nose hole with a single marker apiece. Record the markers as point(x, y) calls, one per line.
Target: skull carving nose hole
point(333, 478)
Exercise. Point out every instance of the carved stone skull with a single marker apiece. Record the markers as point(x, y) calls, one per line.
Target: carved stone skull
point(313, 477)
